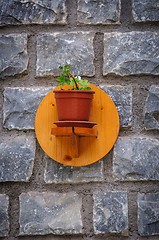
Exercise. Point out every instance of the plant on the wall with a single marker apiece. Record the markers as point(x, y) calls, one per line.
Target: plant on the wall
point(66, 77)
point(73, 99)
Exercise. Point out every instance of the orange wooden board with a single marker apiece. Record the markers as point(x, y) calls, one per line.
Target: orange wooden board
point(91, 149)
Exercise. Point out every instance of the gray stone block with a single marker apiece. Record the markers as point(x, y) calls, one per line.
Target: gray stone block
point(136, 158)
point(74, 48)
point(131, 53)
point(148, 214)
point(20, 105)
point(43, 213)
point(98, 12)
point(16, 158)
point(110, 212)
point(29, 12)
point(122, 97)
point(13, 54)
point(145, 10)
point(58, 173)
point(4, 219)
point(151, 115)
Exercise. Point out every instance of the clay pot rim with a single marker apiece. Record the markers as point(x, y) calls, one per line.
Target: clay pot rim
point(73, 91)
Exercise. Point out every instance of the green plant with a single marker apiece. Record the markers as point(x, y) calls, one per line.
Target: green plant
point(75, 82)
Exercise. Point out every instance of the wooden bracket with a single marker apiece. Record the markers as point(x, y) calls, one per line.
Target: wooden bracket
point(79, 146)
point(74, 133)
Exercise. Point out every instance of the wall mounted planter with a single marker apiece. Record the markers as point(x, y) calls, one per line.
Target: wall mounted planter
point(77, 143)
point(73, 105)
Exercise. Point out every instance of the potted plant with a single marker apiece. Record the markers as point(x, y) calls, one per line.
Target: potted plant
point(73, 104)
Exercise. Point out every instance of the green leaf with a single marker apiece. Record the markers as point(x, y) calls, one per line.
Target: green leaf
point(67, 78)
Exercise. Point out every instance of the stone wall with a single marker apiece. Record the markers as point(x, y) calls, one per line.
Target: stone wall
point(114, 44)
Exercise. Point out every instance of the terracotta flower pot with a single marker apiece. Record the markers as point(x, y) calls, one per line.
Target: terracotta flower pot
point(73, 105)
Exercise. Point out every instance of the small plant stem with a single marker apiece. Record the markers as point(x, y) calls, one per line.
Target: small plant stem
point(75, 81)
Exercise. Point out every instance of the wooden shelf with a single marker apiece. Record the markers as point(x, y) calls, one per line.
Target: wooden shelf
point(84, 124)
point(79, 146)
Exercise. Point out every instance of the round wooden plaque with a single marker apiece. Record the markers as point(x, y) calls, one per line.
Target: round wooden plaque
point(91, 149)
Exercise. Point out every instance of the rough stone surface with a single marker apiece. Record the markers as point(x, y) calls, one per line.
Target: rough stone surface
point(58, 173)
point(115, 48)
point(71, 48)
point(136, 158)
point(16, 158)
point(110, 212)
point(131, 53)
point(4, 219)
point(33, 11)
point(122, 97)
point(13, 54)
point(98, 12)
point(145, 10)
point(148, 214)
point(50, 213)
point(20, 105)
point(151, 118)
